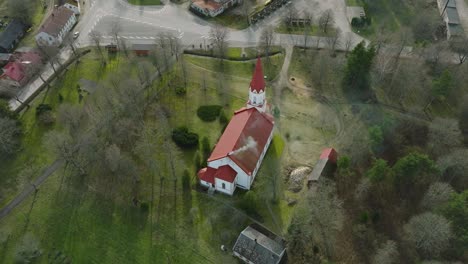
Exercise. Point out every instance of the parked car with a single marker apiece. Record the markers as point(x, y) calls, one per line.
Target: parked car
point(76, 34)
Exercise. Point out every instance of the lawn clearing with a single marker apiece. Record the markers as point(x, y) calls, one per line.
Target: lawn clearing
point(72, 222)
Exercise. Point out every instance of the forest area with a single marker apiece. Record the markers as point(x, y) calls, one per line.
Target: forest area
point(399, 194)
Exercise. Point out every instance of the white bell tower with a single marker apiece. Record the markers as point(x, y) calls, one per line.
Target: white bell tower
point(257, 97)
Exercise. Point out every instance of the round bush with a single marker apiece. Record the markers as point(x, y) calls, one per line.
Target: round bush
point(209, 113)
point(184, 138)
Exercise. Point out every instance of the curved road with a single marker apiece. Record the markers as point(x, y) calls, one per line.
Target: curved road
point(143, 24)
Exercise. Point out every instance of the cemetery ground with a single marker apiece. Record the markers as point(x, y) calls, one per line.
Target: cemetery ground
point(71, 221)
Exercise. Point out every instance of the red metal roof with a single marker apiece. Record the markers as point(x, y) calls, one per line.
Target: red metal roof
point(244, 138)
point(330, 154)
point(14, 70)
point(258, 82)
point(207, 174)
point(226, 173)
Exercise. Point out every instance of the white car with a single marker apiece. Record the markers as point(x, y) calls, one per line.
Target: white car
point(76, 34)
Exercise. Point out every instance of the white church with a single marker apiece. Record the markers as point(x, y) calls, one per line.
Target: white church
point(239, 152)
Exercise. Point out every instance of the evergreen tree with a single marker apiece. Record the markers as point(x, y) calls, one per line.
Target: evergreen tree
point(357, 71)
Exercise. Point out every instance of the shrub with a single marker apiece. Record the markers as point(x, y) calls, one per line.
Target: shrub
point(180, 90)
point(248, 203)
point(5, 110)
point(144, 207)
point(209, 113)
point(183, 138)
point(223, 119)
point(186, 180)
point(206, 149)
point(42, 108)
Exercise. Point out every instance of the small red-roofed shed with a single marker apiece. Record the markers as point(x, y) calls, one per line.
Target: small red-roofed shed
point(326, 164)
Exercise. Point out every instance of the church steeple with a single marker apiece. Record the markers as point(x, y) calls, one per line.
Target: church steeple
point(257, 88)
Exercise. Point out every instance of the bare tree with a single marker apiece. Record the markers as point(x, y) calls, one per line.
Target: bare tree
point(96, 37)
point(348, 42)
point(218, 36)
point(266, 42)
point(334, 40)
point(326, 215)
point(9, 136)
point(246, 8)
point(163, 48)
point(307, 27)
point(437, 194)
point(144, 73)
point(290, 15)
point(429, 233)
point(50, 53)
point(326, 20)
point(387, 253)
point(460, 47)
point(22, 10)
point(115, 31)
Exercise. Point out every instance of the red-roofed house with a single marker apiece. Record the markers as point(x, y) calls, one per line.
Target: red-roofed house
point(239, 152)
point(56, 27)
point(212, 8)
point(19, 71)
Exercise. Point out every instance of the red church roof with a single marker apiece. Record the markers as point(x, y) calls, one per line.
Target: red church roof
point(207, 174)
point(226, 173)
point(244, 138)
point(258, 82)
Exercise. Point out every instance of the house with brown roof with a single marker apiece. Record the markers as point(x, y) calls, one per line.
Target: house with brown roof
point(56, 27)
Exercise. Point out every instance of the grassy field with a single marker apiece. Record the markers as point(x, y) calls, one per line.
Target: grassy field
point(145, 2)
point(68, 222)
point(33, 151)
point(313, 30)
point(389, 15)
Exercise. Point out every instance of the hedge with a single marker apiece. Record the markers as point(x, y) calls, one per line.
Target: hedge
point(184, 138)
point(209, 113)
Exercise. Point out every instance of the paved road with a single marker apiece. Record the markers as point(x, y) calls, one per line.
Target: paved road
point(143, 24)
point(31, 188)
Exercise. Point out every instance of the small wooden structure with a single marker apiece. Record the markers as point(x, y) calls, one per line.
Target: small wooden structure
point(142, 49)
point(325, 164)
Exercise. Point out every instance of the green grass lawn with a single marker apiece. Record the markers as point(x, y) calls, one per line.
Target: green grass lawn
point(32, 148)
point(231, 20)
point(313, 30)
point(353, 3)
point(79, 224)
point(145, 2)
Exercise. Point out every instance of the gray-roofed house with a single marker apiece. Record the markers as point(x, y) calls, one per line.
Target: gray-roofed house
point(452, 20)
point(12, 35)
point(54, 29)
point(258, 245)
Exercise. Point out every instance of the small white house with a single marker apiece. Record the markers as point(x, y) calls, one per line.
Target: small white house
point(239, 152)
point(56, 27)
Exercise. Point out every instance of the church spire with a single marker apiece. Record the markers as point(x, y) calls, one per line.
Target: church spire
point(258, 82)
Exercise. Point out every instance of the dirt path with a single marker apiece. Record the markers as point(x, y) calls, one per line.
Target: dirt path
point(283, 77)
point(30, 188)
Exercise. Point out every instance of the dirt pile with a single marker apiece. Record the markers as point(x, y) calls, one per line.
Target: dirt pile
point(296, 178)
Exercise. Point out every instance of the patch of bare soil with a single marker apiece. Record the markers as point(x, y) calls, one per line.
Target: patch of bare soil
point(296, 179)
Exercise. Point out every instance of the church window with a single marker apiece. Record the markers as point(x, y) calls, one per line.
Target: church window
point(224, 186)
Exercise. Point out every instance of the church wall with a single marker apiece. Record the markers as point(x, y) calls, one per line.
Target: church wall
point(228, 186)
